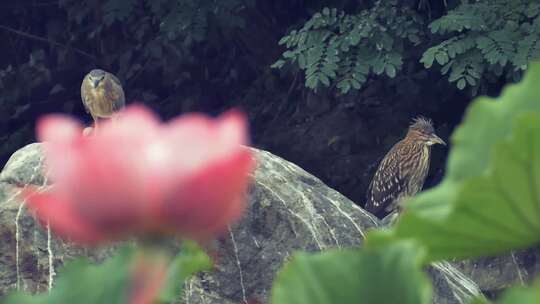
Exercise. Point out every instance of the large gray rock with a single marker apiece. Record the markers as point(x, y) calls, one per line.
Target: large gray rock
point(494, 274)
point(289, 210)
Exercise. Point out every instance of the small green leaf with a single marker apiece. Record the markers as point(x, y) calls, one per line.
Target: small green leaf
point(390, 70)
point(284, 40)
point(357, 84)
point(278, 64)
point(378, 68)
point(390, 274)
point(302, 61)
point(428, 57)
point(441, 57)
point(326, 11)
point(344, 86)
point(289, 54)
point(329, 70)
point(461, 83)
point(455, 75)
point(470, 80)
point(312, 81)
point(324, 79)
point(474, 73)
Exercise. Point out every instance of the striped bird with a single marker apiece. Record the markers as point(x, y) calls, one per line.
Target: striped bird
point(403, 170)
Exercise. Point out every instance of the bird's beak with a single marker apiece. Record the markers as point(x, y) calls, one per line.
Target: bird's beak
point(96, 82)
point(436, 140)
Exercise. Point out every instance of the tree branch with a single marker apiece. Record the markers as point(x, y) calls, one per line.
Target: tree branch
point(34, 37)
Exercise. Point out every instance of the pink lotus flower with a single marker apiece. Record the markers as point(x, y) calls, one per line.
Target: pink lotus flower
point(137, 176)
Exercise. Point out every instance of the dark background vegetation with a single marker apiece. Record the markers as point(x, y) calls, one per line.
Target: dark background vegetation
point(344, 91)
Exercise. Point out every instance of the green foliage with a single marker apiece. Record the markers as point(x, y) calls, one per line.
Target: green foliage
point(390, 275)
point(488, 39)
point(80, 281)
point(475, 43)
point(334, 46)
point(516, 295)
point(522, 295)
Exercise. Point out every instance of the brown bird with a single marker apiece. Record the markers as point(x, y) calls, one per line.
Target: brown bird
point(403, 170)
point(102, 94)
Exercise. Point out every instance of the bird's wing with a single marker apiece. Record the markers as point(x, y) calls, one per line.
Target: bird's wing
point(386, 185)
point(116, 93)
point(84, 93)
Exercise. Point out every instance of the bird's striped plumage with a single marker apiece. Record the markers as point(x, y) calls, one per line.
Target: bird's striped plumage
point(403, 170)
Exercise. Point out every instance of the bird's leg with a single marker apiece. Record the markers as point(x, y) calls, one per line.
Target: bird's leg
point(95, 124)
point(396, 208)
point(114, 117)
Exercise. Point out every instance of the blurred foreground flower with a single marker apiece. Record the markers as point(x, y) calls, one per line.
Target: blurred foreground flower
point(139, 177)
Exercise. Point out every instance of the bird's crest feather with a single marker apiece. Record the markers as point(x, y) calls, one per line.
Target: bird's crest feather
point(422, 124)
